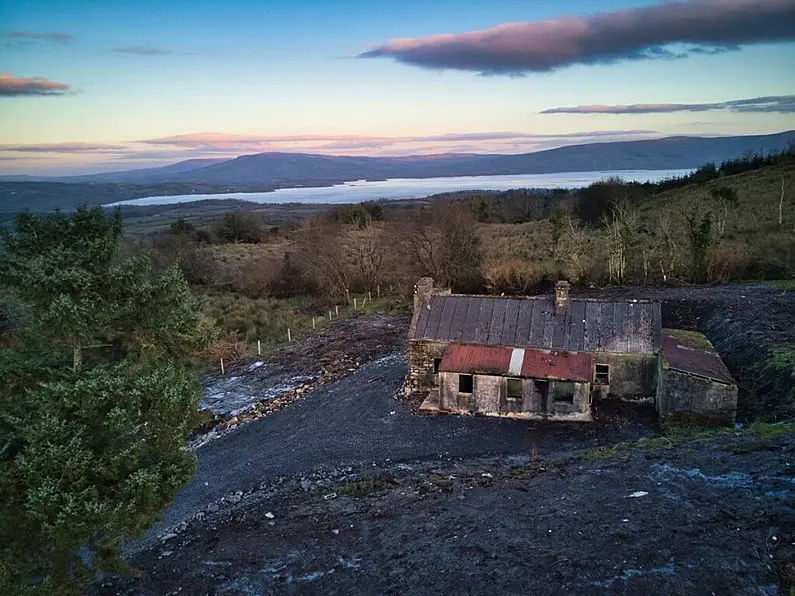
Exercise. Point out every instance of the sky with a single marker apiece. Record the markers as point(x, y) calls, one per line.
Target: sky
point(100, 85)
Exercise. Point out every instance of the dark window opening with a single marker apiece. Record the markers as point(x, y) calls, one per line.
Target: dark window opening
point(602, 374)
point(437, 364)
point(543, 389)
point(465, 383)
point(564, 392)
point(514, 389)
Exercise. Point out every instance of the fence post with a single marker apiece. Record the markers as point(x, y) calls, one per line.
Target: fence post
point(354, 304)
point(289, 336)
point(223, 372)
point(369, 296)
point(329, 316)
point(259, 348)
point(337, 309)
point(313, 322)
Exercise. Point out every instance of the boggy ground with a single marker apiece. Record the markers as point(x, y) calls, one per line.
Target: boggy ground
point(703, 517)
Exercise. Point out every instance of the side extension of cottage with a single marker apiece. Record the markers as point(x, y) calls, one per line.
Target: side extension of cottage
point(539, 357)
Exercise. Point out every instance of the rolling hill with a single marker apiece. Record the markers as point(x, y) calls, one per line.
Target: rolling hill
point(286, 169)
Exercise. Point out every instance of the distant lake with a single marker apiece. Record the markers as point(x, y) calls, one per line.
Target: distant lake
point(411, 188)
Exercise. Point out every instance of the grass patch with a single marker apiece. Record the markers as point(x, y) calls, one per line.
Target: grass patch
point(619, 451)
point(367, 486)
point(264, 319)
point(655, 443)
point(784, 285)
point(784, 359)
point(691, 426)
point(770, 430)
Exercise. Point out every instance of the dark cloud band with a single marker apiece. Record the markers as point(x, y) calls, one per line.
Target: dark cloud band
point(782, 104)
point(648, 33)
point(11, 86)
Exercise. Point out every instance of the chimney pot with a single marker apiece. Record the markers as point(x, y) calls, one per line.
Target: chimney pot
point(561, 296)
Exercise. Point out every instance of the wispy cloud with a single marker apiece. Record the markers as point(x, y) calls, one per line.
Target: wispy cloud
point(647, 33)
point(11, 86)
point(143, 50)
point(211, 141)
point(62, 148)
point(217, 144)
point(782, 104)
point(46, 36)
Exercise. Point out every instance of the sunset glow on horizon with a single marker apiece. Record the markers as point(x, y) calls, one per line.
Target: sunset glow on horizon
point(92, 86)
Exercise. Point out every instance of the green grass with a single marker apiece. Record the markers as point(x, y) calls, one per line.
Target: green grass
point(769, 430)
point(784, 285)
point(268, 319)
point(619, 451)
point(367, 486)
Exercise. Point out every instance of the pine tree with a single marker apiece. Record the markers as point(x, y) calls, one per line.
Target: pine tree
point(97, 399)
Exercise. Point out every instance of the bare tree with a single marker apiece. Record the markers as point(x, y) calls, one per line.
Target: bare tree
point(666, 240)
point(621, 228)
point(326, 258)
point(571, 248)
point(781, 204)
point(368, 252)
point(725, 201)
point(442, 242)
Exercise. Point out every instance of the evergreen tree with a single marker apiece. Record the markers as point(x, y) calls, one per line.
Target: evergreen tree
point(96, 399)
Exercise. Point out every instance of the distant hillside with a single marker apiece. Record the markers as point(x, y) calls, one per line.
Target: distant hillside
point(299, 168)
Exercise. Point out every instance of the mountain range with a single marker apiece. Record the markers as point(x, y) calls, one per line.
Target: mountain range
point(290, 169)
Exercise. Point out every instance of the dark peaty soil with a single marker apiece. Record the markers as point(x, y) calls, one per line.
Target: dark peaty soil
point(704, 518)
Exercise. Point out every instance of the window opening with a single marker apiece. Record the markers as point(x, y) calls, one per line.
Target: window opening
point(564, 392)
point(602, 374)
point(465, 383)
point(514, 389)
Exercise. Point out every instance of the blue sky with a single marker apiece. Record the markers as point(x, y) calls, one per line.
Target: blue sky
point(90, 86)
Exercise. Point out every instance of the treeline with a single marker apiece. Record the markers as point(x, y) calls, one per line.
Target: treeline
point(710, 171)
point(512, 242)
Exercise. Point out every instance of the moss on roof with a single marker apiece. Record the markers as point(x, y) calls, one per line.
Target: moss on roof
point(690, 339)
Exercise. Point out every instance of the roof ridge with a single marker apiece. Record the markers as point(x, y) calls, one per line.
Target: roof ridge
point(551, 297)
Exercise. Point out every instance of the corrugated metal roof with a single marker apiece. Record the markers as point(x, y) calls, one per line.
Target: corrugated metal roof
point(476, 359)
point(685, 355)
point(565, 366)
point(538, 364)
point(585, 326)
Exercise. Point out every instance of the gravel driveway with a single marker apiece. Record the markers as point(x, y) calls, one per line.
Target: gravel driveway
point(356, 420)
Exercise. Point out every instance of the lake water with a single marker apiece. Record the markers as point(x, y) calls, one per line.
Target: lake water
point(410, 188)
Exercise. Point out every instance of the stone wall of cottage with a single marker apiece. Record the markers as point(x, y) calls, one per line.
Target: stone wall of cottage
point(490, 397)
point(424, 357)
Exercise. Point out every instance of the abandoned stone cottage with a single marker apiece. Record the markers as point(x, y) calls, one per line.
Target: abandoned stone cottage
point(555, 357)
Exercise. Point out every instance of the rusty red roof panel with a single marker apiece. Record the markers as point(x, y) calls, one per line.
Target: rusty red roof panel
point(688, 357)
point(565, 366)
point(469, 359)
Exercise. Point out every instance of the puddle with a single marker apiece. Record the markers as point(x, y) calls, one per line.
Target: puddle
point(231, 395)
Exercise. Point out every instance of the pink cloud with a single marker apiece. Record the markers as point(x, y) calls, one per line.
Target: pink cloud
point(705, 26)
point(11, 86)
point(62, 148)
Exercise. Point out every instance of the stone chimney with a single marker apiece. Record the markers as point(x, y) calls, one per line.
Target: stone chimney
point(561, 297)
point(423, 290)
